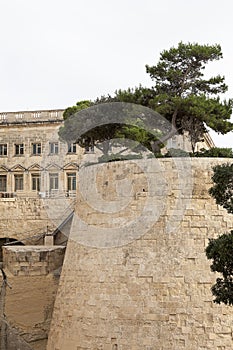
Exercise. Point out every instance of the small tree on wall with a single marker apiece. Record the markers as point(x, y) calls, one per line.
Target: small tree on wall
point(220, 250)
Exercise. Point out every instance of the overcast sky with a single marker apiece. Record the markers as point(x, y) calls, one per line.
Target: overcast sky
point(56, 52)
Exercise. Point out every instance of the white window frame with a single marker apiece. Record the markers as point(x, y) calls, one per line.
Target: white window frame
point(36, 180)
point(18, 182)
point(53, 148)
point(19, 149)
point(3, 149)
point(53, 181)
point(71, 181)
point(36, 148)
point(72, 148)
point(4, 188)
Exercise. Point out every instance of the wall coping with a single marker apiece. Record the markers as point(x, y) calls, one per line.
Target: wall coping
point(33, 248)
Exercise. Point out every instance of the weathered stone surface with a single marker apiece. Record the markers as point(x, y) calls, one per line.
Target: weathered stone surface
point(27, 212)
point(154, 292)
point(33, 274)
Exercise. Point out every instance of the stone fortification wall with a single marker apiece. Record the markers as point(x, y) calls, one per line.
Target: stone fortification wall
point(28, 219)
point(27, 301)
point(23, 218)
point(148, 288)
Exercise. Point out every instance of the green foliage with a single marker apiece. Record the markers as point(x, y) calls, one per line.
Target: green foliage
point(181, 94)
point(117, 157)
point(222, 189)
point(176, 152)
point(136, 126)
point(138, 134)
point(139, 95)
point(220, 250)
point(78, 107)
point(179, 71)
point(215, 152)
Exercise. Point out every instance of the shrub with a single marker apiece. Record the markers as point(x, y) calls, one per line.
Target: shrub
point(215, 152)
point(176, 152)
point(118, 157)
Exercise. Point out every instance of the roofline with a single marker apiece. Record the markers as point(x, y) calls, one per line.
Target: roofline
point(34, 110)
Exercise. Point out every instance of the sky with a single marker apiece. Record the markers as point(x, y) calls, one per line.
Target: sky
point(55, 52)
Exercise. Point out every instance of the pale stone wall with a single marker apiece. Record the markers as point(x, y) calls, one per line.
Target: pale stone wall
point(28, 219)
point(33, 275)
point(154, 292)
point(28, 163)
point(27, 213)
point(22, 218)
point(183, 142)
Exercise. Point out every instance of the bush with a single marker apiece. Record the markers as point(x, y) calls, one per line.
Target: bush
point(220, 251)
point(176, 152)
point(118, 157)
point(215, 152)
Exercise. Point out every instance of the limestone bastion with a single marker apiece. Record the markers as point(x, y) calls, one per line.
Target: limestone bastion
point(135, 274)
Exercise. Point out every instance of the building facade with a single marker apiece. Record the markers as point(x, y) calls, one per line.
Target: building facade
point(37, 170)
point(33, 161)
point(35, 165)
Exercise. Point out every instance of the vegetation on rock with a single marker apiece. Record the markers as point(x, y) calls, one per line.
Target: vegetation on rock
point(220, 250)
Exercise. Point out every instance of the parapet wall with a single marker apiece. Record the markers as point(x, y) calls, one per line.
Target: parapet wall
point(31, 116)
point(149, 291)
point(29, 219)
point(27, 300)
point(22, 218)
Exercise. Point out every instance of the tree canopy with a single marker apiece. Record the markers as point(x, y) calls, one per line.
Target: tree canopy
point(103, 123)
point(181, 93)
point(222, 190)
point(78, 107)
point(220, 250)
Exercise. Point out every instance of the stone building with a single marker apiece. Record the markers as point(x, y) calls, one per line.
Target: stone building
point(183, 142)
point(130, 297)
point(37, 171)
point(34, 166)
point(136, 276)
point(35, 163)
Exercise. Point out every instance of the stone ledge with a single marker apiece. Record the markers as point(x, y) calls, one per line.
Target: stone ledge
point(33, 260)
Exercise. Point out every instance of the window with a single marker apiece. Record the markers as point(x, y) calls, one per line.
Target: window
point(19, 149)
point(89, 145)
point(36, 148)
point(53, 148)
point(36, 182)
point(71, 147)
point(3, 116)
point(53, 181)
point(53, 114)
point(19, 115)
point(2, 183)
point(36, 115)
point(71, 181)
point(3, 149)
point(18, 182)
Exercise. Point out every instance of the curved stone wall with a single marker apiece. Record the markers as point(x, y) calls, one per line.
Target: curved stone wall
point(150, 291)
